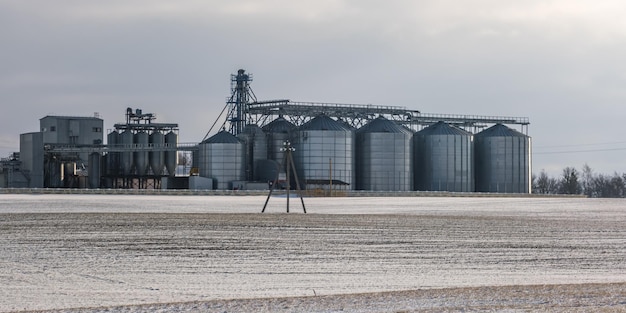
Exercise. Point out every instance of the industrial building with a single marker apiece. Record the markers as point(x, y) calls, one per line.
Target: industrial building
point(336, 147)
point(36, 167)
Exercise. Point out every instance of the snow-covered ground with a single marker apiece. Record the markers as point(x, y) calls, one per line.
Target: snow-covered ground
point(69, 251)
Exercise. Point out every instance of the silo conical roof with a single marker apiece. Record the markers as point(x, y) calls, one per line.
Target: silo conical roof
point(251, 128)
point(500, 130)
point(279, 125)
point(442, 128)
point(222, 137)
point(381, 125)
point(323, 122)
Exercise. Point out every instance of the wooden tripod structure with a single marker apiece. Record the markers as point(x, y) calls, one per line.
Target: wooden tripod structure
point(288, 164)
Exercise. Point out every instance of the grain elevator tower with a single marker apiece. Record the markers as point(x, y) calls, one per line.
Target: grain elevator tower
point(241, 96)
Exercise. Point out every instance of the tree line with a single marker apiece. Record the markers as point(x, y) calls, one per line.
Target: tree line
point(585, 182)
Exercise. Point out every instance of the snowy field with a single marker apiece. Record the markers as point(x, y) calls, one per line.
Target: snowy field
point(105, 253)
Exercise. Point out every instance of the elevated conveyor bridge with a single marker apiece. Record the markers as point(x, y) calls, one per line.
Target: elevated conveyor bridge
point(356, 115)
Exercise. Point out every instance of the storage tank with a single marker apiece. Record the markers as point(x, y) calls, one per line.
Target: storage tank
point(94, 170)
point(503, 160)
point(142, 139)
point(324, 151)
point(221, 157)
point(384, 152)
point(171, 157)
point(278, 131)
point(126, 158)
point(255, 142)
point(113, 158)
point(444, 159)
point(157, 157)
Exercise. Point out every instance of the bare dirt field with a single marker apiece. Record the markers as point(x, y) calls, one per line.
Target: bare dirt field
point(418, 256)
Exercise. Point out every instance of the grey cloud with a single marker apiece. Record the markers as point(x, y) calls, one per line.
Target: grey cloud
point(558, 62)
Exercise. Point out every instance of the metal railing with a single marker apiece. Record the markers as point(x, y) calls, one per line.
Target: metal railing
point(359, 114)
point(66, 148)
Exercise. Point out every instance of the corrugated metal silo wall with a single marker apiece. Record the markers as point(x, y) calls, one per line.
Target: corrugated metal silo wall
point(141, 156)
point(278, 131)
point(503, 164)
point(113, 158)
point(126, 158)
point(171, 157)
point(255, 141)
point(157, 158)
point(275, 142)
point(94, 170)
point(317, 151)
point(223, 162)
point(384, 161)
point(444, 162)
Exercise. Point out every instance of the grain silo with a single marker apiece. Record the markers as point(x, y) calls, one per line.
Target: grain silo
point(444, 159)
point(94, 170)
point(141, 156)
point(502, 160)
point(171, 156)
point(113, 158)
point(255, 141)
point(157, 156)
point(384, 156)
point(221, 158)
point(126, 157)
point(324, 153)
point(278, 131)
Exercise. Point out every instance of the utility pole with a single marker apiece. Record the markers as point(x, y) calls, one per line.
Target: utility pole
point(288, 165)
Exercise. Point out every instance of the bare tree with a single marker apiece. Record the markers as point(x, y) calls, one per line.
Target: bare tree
point(569, 183)
point(601, 186)
point(545, 184)
point(617, 186)
point(586, 181)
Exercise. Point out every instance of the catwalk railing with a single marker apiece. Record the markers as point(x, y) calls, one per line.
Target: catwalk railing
point(66, 148)
point(357, 115)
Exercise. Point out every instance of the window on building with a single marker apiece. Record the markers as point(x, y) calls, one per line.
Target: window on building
point(73, 140)
point(53, 128)
point(97, 129)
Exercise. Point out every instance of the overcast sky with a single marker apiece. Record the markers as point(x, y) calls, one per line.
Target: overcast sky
point(561, 63)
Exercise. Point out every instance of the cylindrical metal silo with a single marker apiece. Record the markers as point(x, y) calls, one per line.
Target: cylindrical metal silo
point(126, 158)
point(444, 159)
point(94, 170)
point(325, 152)
point(255, 142)
point(278, 131)
point(157, 157)
point(503, 160)
point(384, 153)
point(113, 158)
point(142, 139)
point(222, 158)
point(171, 157)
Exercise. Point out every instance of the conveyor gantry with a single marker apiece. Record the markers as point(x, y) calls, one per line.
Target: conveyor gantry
point(262, 112)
